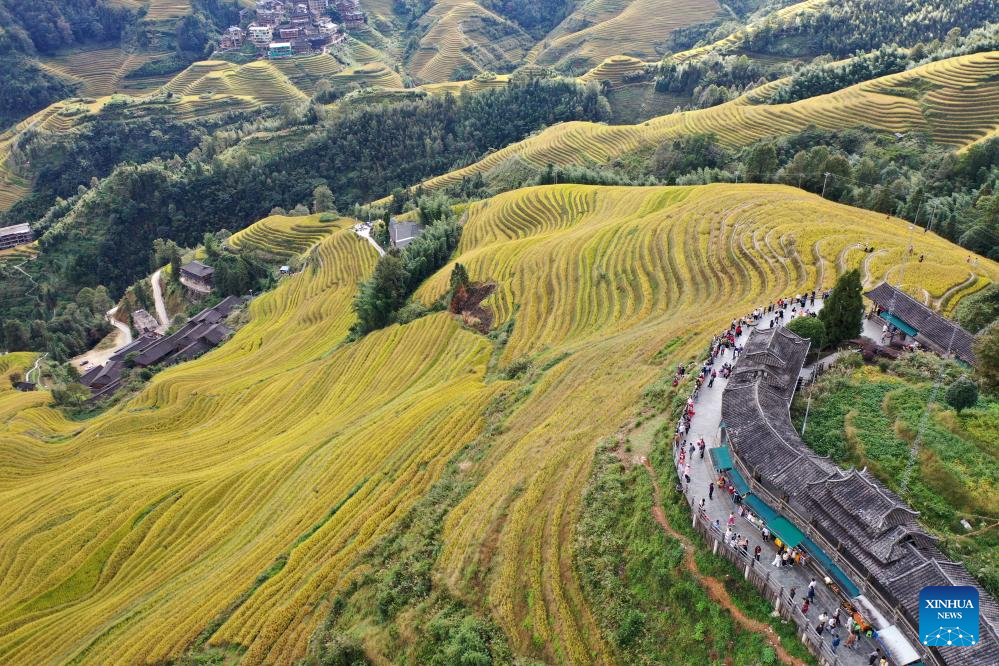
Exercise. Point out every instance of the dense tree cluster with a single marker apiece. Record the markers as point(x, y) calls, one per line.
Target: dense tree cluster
point(844, 28)
point(714, 78)
point(398, 274)
point(843, 311)
point(46, 26)
point(826, 76)
point(26, 87)
point(62, 329)
point(537, 17)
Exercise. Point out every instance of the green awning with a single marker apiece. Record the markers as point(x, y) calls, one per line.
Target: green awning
point(721, 458)
point(738, 482)
point(760, 508)
point(899, 324)
point(788, 533)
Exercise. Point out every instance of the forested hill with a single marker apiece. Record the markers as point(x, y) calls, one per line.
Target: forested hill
point(101, 232)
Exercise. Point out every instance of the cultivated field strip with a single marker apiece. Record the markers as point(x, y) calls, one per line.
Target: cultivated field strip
point(100, 70)
point(252, 446)
point(614, 69)
point(454, 37)
point(283, 236)
point(959, 110)
point(612, 27)
point(129, 534)
point(736, 39)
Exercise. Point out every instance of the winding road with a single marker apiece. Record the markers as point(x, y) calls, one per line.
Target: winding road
point(121, 336)
point(161, 311)
point(365, 233)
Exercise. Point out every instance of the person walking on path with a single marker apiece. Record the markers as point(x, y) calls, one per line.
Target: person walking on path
point(821, 626)
point(852, 638)
point(811, 590)
point(804, 608)
point(711, 491)
point(794, 591)
point(776, 562)
point(731, 519)
point(835, 641)
point(756, 553)
point(766, 535)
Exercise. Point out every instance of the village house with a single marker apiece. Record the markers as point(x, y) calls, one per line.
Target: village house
point(197, 277)
point(350, 11)
point(144, 322)
point(402, 234)
point(201, 333)
point(15, 235)
point(232, 38)
point(907, 317)
point(260, 35)
point(279, 50)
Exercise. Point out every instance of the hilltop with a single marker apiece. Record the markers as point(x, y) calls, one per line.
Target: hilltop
point(947, 100)
point(226, 505)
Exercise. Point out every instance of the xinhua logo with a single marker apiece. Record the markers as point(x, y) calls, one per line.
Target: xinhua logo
point(948, 616)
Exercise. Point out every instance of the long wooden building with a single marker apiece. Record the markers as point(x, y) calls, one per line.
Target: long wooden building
point(858, 532)
point(911, 318)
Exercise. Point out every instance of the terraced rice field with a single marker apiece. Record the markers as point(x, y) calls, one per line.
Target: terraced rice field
point(958, 110)
point(306, 71)
point(614, 69)
point(159, 10)
point(364, 429)
point(183, 83)
point(734, 40)
point(283, 236)
point(374, 75)
point(99, 70)
point(127, 535)
point(632, 27)
point(454, 37)
point(262, 81)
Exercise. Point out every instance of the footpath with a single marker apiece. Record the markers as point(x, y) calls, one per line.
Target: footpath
point(706, 424)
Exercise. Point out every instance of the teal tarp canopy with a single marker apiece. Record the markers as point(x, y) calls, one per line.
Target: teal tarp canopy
point(788, 533)
point(834, 571)
point(760, 508)
point(740, 484)
point(899, 324)
point(721, 457)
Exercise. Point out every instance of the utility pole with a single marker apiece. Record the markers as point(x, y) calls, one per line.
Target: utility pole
point(824, 182)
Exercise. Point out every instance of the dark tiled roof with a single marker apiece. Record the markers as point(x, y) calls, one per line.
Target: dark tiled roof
point(197, 269)
point(873, 527)
point(934, 327)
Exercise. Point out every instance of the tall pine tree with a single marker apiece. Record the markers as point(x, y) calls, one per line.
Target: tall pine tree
point(844, 309)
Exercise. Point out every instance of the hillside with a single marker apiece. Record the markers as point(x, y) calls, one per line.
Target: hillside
point(948, 100)
point(282, 456)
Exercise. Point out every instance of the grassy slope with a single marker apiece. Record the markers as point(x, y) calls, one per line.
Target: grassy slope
point(868, 418)
point(130, 534)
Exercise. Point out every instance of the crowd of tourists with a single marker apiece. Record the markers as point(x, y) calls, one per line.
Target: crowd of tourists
point(724, 350)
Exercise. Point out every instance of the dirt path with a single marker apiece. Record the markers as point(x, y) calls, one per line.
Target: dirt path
point(365, 233)
point(161, 311)
point(115, 340)
point(34, 368)
point(716, 589)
